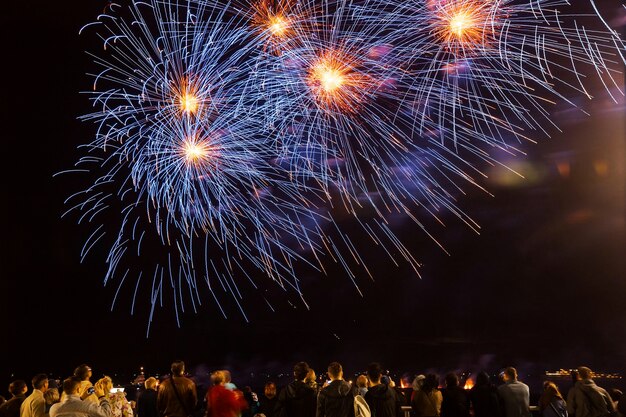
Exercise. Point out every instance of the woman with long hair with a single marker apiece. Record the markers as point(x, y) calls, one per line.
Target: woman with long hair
point(551, 402)
point(427, 401)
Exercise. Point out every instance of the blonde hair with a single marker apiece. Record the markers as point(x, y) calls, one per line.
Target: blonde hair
point(150, 382)
point(52, 396)
point(218, 377)
point(106, 383)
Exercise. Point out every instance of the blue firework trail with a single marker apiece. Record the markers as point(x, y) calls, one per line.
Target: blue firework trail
point(232, 136)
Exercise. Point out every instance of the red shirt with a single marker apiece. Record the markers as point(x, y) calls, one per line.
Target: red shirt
point(222, 402)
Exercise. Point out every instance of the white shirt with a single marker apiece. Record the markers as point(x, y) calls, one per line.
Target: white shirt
point(73, 406)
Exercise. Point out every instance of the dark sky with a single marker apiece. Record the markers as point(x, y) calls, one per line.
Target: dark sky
point(542, 286)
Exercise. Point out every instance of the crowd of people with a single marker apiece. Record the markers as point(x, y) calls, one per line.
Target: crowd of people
point(373, 394)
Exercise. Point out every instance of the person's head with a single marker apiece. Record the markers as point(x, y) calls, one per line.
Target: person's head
point(431, 381)
point(71, 385)
point(227, 376)
point(584, 372)
point(270, 389)
point(510, 374)
point(83, 372)
point(178, 368)
point(150, 383)
point(482, 379)
point(335, 371)
point(18, 387)
point(374, 372)
point(452, 380)
point(310, 377)
point(300, 370)
point(551, 390)
point(52, 396)
point(106, 383)
point(361, 381)
point(218, 378)
point(40, 382)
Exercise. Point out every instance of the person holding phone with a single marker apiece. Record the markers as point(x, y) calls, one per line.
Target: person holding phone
point(73, 405)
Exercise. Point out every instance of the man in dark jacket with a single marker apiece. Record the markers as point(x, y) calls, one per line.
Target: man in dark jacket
point(11, 408)
point(297, 399)
point(147, 399)
point(337, 398)
point(381, 398)
point(455, 402)
point(177, 396)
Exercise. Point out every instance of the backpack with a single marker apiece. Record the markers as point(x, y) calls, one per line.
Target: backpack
point(361, 408)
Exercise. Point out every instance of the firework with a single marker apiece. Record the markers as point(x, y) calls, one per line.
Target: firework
point(236, 135)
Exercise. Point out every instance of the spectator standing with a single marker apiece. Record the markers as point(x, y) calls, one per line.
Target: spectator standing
point(311, 380)
point(381, 398)
point(120, 406)
point(337, 398)
point(84, 373)
point(455, 401)
point(427, 401)
point(147, 399)
point(35, 404)
point(551, 402)
point(177, 396)
point(586, 399)
point(267, 401)
point(514, 395)
point(18, 390)
point(297, 399)
point(361, 385)
point(484, 398)
point(222, 401)
point(52, 396)
point(72, 405)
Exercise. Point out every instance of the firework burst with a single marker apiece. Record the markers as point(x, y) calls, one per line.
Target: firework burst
point(234, 135)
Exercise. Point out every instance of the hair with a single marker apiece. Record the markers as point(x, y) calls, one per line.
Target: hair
point(431, 382)
point(374, 371)
point(106, 383)
point(335, 369)
point(300, 370)
point(584, 372)
point(39, 381)
point(82, 371)
point(550, 391)
point(227, 376)
point(361, 381)
point(70, 384)
point(310, 377)
point(16, 387)
point(482, 379)
point(178, 368)
point(452, 380)
point(511, 372)
point(150, 383)
point(270, 385)
point(218, 377)
point(52, 396)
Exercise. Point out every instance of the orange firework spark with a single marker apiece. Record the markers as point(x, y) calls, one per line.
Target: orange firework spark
point(464, 23)
point(274, 19)
point(335, 82)
point(196, 151)
point(186, 97)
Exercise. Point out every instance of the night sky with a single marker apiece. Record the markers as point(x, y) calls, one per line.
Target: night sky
point(543, 286)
